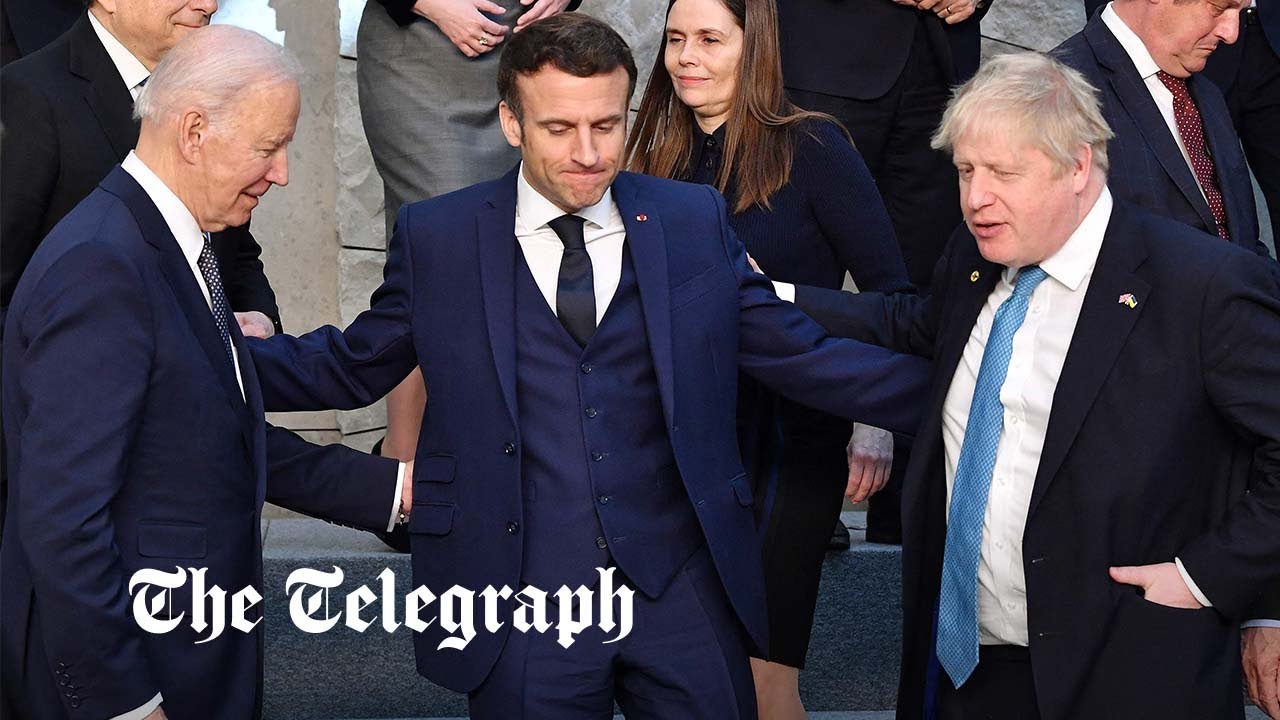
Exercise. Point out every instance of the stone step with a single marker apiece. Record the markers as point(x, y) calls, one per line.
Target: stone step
point(852, 664)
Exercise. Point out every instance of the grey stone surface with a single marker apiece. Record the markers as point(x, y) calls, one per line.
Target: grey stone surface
point(359, 190)
point(360, 273)
point(640, 23)
point(1033, 24)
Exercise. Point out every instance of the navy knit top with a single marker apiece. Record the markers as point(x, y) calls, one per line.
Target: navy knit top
point(829, 218)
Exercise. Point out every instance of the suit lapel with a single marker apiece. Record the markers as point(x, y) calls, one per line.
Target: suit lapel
point(254, 429)
point(178, 273)
point(1137, 100)
point(496, 250)
point(648, 248)
point(1101, 332)
point(108, 99)
point(1216, 123)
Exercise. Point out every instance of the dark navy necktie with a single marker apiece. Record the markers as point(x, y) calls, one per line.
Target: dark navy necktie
point(208, 265)
point(575, 288)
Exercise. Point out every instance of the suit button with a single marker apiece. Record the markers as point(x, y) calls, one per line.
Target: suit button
point(604, 499)
point(513, 527)
point(586, 368)
point(591, 412)
point(75, 704)
point(597, 455)
point(62, 666)
point(63, 682)
point(509, 448)
point(600, 543)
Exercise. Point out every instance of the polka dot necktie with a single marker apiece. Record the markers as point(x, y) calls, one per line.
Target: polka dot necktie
point(1191, 128)
point(208, 265)
point(958, 599)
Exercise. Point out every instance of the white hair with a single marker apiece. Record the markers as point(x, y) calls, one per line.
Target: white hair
point(1053, 105)
point(212, 68)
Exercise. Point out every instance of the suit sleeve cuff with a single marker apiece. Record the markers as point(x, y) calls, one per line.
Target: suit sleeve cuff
point(785, 291)
point(1260, 624)
point(1191, 584)
point(395, 502)
point(142, 711)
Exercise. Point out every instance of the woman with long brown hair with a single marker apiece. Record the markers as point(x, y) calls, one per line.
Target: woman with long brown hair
point(806, 208)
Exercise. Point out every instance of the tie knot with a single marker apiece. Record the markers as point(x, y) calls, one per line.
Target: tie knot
point(1176, 85)
point(1028, 278)
point(569, 229)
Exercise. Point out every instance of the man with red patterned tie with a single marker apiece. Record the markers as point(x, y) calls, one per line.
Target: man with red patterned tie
point(1174, 151)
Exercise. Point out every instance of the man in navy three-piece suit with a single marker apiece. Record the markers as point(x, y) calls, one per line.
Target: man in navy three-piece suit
point(580, 333)
point(135, 430)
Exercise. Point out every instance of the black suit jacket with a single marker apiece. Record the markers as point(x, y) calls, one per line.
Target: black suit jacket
point(858, 48)
point(1156, 418)
point(1147, 168)
point(68, 119)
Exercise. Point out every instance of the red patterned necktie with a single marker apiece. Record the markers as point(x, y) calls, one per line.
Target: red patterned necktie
point(1191, 128)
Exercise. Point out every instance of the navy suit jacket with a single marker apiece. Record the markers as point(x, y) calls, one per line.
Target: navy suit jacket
point(447, 305)
point(1156, 419)
point(1147, 168)
point(129, 447)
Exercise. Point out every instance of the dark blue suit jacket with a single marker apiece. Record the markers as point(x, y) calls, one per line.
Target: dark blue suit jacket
point(1147, 168)
point(447, 305)
point(130, 447)
point(1157, 416)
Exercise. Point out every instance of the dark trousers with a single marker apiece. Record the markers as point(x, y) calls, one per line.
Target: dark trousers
point(1001, 688)
point(1253, 97)
point(918, 183)
point(686, 657)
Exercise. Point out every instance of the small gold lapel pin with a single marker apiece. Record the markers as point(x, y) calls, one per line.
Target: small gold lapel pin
point(973, 277)
point(642, 217)
point(1128, 300)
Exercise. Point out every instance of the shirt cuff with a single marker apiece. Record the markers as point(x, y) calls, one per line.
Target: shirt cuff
point(395, 503)
point(1260, 623)
point(1191, 584)
point(785, 291)
point(143, 711)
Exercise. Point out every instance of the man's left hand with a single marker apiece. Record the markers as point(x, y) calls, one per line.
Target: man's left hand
point(1161, 584)
point(255, 324)
point(870, 454)
point(540, 9)
point(1260, 656)
point(951, 11)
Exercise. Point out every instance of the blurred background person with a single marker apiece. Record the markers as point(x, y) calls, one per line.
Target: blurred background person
point(28, 25)
point(884, 68)
point(427, 75)
point(807, 209)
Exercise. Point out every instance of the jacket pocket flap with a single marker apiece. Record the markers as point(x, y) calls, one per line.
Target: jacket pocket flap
point(431, 518)
point(434, 468)
point(742, 489)
point(171, 540)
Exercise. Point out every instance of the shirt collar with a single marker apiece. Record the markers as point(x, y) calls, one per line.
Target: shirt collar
point(1132, 44)
point(1074, 261)
point(181, 222)
point(535, 211)
point(131, 70)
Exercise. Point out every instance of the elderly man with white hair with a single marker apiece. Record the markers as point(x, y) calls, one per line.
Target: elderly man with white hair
point(1078, 539)
point(136, 438)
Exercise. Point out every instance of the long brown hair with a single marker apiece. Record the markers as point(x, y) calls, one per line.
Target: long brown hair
point(757, 148)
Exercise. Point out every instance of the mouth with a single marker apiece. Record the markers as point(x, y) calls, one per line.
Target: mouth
point(690, 80)
point(986, 230)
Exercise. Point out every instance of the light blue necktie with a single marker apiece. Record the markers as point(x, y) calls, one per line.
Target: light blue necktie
point(958, 601)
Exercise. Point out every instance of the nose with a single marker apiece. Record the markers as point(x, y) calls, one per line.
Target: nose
point(1228, 27)
point(278, 173)
point(585, 152)
point(688, 54)
point(208, 7)
point(976, 195)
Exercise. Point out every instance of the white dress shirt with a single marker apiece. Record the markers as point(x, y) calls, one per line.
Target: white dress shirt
point(131, 70)
point(1147, 69)
point(603, 231)
point(1039, 351)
